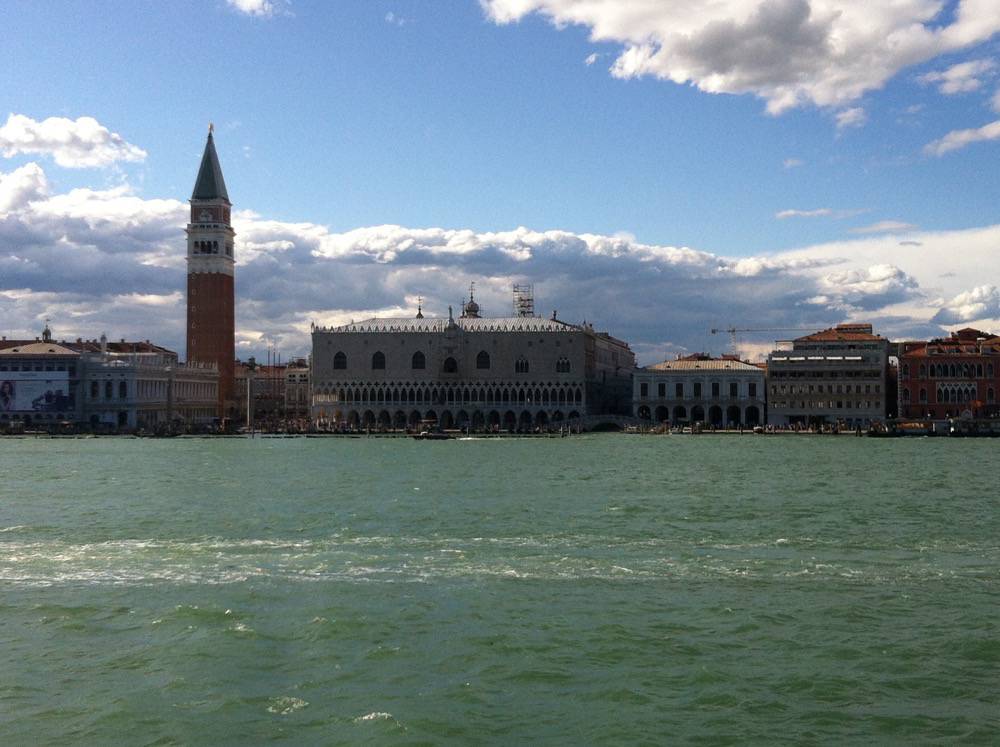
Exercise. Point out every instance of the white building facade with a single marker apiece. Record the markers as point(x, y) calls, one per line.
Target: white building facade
point(719, 392)
point(510, 373)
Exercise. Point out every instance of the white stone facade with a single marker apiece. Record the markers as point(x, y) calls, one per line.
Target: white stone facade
point(717, 392)
point(470, 372)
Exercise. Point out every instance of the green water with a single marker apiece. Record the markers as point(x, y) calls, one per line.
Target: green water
point(592, 590)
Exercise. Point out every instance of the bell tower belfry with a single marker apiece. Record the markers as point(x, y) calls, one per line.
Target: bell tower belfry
point(211, 322)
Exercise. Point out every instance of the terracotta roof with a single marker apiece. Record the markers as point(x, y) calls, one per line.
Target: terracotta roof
point(843, 333)
point(94, 346)
point(38, 348)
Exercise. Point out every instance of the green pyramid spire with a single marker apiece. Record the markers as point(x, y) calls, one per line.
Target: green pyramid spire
point(210, 184)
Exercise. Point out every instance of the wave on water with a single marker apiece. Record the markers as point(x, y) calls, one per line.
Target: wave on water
point(284, 705)
point(386, 559)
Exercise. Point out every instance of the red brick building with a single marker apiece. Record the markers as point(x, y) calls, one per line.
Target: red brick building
point(211, 328)
point(951, 377)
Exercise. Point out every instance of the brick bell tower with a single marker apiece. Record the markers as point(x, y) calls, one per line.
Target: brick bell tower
point(211, 325)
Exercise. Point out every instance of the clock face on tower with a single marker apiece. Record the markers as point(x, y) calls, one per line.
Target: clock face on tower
point(205, 216)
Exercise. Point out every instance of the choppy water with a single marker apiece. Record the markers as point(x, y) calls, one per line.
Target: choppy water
point(601, 589)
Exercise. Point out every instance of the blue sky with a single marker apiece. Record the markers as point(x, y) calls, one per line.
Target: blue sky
point(335, 118)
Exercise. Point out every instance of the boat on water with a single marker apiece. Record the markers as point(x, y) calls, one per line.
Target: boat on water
point(432, 436)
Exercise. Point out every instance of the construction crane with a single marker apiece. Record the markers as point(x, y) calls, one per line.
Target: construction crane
point(734, 331)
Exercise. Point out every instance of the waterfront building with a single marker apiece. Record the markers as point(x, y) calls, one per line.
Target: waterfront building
point(720, 392)
point(98, 383)
point(211, 331)
point(836, 375)
point(958, 376)
point(39, 383)
point(519, 372)
point(265, 385)
point(297, 390)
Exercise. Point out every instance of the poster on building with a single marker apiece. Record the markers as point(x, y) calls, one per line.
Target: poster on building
point(35, 391)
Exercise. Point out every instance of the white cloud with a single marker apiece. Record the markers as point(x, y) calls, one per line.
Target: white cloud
point(256, 8)
point(74, 144)
point(960, 78)
point(995, 102)
point(866, 289)
point(395, 19)
point(885, 226)
point(982, 302)
point(818, 213)
point(21, 186)
point(853, 117)
point(591, 59)
point(792, 163)
point(958, 139)
point(788, 52)
point(108, 260)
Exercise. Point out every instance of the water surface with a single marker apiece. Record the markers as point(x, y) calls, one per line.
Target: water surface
point(596, 589)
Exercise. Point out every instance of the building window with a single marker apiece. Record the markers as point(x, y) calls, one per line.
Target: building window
point(990, 395)
point(340, 361)
point(107, 390)
point(644, 389)
point(562, 365)
point(451, 365)
point(906, 395)
point(521, 365)
point(122, 390)
point(679, 390)
point(378, 361)
point(715, 388)
point(697, 389)
point(418, 362)
point(923, 371)
point(482, 362)
point(93, 390)
point(661, 390)
point(733, 389)
point(752, 389)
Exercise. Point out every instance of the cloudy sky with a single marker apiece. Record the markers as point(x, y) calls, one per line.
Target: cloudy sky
point(655, 168)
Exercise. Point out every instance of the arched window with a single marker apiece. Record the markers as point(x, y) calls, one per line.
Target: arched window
point(419, 362)
point(340, 361)
point(989, 370)
point(923, 371)
point(562, 365)
point(906, 395)
point(923, 396)
point(483, 360)
point(451, 365)
point(990, 395)
point(979, 370)
point(521, 365)
point(378, 361)
point(906, 370)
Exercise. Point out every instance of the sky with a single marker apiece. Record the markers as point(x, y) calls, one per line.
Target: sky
point(656, 169)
